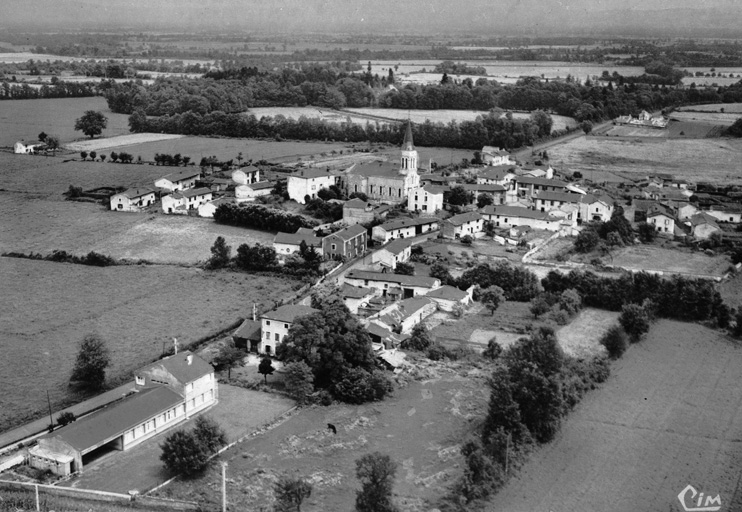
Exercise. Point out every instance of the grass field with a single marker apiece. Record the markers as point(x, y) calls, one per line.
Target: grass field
point(310, 112)
point(581, 337)
point(712, 160)
point(714, 118)
point(119, 141)
point(670, 415)
point(713, 107)
point(47, 308)
point(420, 427)
point(25, 119)
point(659, 259)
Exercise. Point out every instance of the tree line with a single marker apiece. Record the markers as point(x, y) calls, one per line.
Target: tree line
point(260, 217)
point(60, 89)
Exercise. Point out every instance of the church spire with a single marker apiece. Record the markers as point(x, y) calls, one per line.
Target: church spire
point(407, 144)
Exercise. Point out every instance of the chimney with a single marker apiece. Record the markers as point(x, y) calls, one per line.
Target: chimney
point(254, 312)
point(175, 345)
point(189, 359)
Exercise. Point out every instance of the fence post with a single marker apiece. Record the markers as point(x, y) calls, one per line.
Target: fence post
point(38, 507)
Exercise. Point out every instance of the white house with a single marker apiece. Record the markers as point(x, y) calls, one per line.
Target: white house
point(723, 214)
point(132, 200)
point(275, 325)
point(496, 156)
point(356, 296)
point(208, 209)
point(663, 220)
point(288, 243)
point(396, 251)
point(403, 316)
point(459, 226)
point(178, 180)
point(246, 175)
point(527, 186)
point(596, 208)
point(392, 284)
point(19, 148)
point(509, 216)
point(448, 297)
point(246, 193)
point(427, 199)
point(502, 175)
point(308, 182)
point(703, 226)
point(189, 199)
point(403, 228)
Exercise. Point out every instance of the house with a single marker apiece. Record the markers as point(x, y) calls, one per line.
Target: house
point(132, 200)
point(167, 392)
point(547, 200)
point(459, 226)
point(509, 216)
point(724, 214)
point(275, 325)
point(358, 211)
point(537, 171)
point(178, 180)
point(383, 338)
point(246, 175)
point(703, 226)
point(402, 316)
point(427, 199)
point(596, 208)
point(345, 244)
point(19, 148)
point(356, 296)
point(496, 156)
point(247, 336)
point(208, 209)
point(404, 228)
point(306, 183)
point(447, 297)
point(394, 284)
point(497, 192)
point(188, 199)
point(438, 180)
point(589, 207)
point(245, 193)
point(663, 219)
point(396, 251)
point(527, 186)
point(502, 175)
point(288, 243)
point(216, 184)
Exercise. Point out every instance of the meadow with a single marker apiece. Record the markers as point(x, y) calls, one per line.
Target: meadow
point(713, 107)
point(47, 308)
point(669, 415)
point(25, 119)
point(714, 160)
point(653, 258)
point(329, 115)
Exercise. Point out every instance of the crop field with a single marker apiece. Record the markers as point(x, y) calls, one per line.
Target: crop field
point(714, 107)
point(716, 118)
point(635, 131)
point(581, 337)
point(712, 160)
point(25, 119)
point(47, 308)
point(446, 116)
point(120, 140)
point(420, 427)
point(670, 415)
point(713, 81)
point(324, 114)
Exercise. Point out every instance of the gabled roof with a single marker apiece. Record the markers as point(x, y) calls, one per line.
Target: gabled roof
point(565, 197)
point(463, 218)
point(476, 187)
point(447, 292)
point(117, 418)
point(404, 309)
point(221, 200)
point(498, 172)
point(307, 174)
point(402, 280)
point(433, 189)
point(260, 185)
point(404, 223)
point(133, 193)
point(249, 330)
point(492, 150)
point(389, 169)
point(515, 211)
point(356, 203)
point(178, 366)
point(397, 246)
point(192, 192)
point(289, 313)
point(349, 233)
point(348, 291)
point(703, 218)
point(175, 177)
point(527, 180)
point(305, 235)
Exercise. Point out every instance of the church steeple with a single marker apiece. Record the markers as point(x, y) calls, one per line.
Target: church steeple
point(409, 154)
point(407, 144)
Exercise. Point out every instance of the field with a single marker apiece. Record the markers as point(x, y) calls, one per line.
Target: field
point(47, 308)
point(712, 160)
point(420, 427)
point(717, 118)
point(672, 261)
point(714, 107)
point(713, 81)
point(670, 415)
point(25, 119)
point(582, 336)
point(118, 141)
point(324, 114)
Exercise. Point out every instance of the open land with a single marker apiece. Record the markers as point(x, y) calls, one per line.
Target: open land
point(421, 427)
point(119, 140)
point(670, 415)
point(136, 309)
point(653, 258)
point(710, 160)
point(325, 114)
point(713, 107)
point(25, 119)
point(581, 337)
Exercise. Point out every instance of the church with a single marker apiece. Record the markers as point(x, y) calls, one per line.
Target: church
point(386, 182)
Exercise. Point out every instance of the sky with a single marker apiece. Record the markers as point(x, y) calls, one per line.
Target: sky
point(343, 16)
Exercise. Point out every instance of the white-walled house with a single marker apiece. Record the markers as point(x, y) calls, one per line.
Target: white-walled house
point(722, 214)
point(289, 243)
point(182, 201)
point(246, 175)
point(396, 251)
point(496, 156)
point(662, 220)
point(459, 226)
point(208, 209)
point(392, 284)
point(247, 193)
point(178, 180)
point(19, 148)
point(308, 182)
point(448, 297)
point(502, 175)
point(403, 316)
point(404, 228)
point(703, 226)
point(509, 216)
point(133, 199)
point(275, 325)
point(356, 296)
point(426, 200)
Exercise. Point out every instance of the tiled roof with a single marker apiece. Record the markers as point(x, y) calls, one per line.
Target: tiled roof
point(463, 218)
point(483, 188)
point(305, 235)
point(527, 180)
point(564, 197)
point(350, 232)
point(515, 211)
point(448, 293)
point(192, 192)
point(177, 365)
point(402, 280)
point(377, 169)
point(289, 313)
point(356, 203)
point(397, 246)
point(404, 223)
point(348, 291)
point(133, 193)
point(261, 185)
point(180, 176)
point(249, 330)
point(311, 173)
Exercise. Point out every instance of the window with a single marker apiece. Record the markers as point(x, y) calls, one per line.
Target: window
point(139, 380)
point(277, 337)
point(333, 247)
point(268, 322)
point(285, 326)
point(267, 335)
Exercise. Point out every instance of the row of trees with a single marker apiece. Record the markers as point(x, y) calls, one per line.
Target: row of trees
point(22, 91)
point(260, 257)
point(175, 160)
point(260, 217)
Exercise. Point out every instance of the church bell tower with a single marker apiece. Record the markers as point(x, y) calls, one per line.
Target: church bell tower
point(409, 153)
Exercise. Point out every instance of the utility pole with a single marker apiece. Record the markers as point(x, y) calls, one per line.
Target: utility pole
point(224, 487)
point(51, 420)
point(507, 454)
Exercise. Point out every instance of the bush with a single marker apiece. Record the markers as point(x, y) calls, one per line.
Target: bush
point(419, 340)
point(635, 321)
point(358, 386)
point(586, 241)
point(615, 341)
point(65, 418)
point(437, 352)
point(467, 240)
point(493, 350)
point(299, 381)
point(189, 452)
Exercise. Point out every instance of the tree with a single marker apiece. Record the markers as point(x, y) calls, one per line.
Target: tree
point(481, 475)
point(492, 297)
point(291, 493)
point(52, 142)
point(92, 360)
point(209, 434)
point(587, 240)
point(376, 472)
point(114, 156)
point(102, 158)
point(42, 136)
point(615, 342)
point(419, 340)
point(484, 199)
point(189, 452)
point(221, 254)
point(91, 123)
point(65, 418)
point(635, 320)
point(440, 271)
point(266, 367)
point(539, 306)
point(405, 269)
point(586, 126)
point(647, 232)
point(84, 155)
point(493, 350)
point(736, 129)
point(299, 381)
point(229, 357)
point(93, 154)
point(570, 301)
point(458, 196)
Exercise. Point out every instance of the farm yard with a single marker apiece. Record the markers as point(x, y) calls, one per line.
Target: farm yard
point(710, 160)
point(670, 415)
point(136, 309)
point(25, 119)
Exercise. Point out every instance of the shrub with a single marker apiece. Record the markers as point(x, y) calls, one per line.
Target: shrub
point(437, 352)
point(635, 321)
point(419, 340)
point(358, 386)
point(299, 381)
point(586, 241)
point(615, 341)
point(493, 350)
point(467, 240)
point(65, 418)
point(189, 452)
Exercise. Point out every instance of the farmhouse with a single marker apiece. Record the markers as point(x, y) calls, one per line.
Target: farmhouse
point(396, 251)
point(427, 199)
point(167, 393)
point(546, 200)
point(662, 219)
point(462, 225)
point(723, 214)
point(406, 286)
point(501, 175)
point(356, 296)
point(509, 216)
point(403, 228)
point(245, 193)
point(347, 243)
point(527, 186)
point(19, 148)
point(247, 336)
point(181, 202)
point(288, 243)
point(496, 156)
point(246, 175)
point(133, 199)
point(386, 182)
point(275, 325)
point(447, 297)
point(703, 226)
point(178, 180)
point(497, 192)
point(208, 209)
point(358, 211)
point(307, 182)
point(402, 316)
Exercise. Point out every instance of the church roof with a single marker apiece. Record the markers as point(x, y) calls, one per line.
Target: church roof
point(383, 169)
point(407, 144)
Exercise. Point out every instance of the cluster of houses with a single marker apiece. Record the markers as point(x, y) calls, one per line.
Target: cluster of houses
point(644, 119)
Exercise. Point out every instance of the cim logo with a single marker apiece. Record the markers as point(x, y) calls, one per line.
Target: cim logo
point(689, 502)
